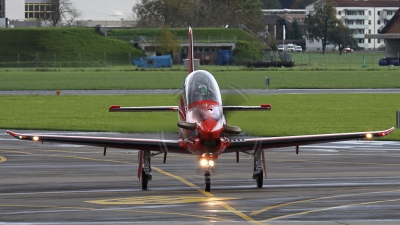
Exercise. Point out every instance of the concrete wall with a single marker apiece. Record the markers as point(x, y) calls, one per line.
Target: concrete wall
point(392, 49)
point(111, 10)
point(14, 9)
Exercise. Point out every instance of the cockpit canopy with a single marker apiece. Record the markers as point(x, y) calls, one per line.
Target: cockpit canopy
point(201, 85)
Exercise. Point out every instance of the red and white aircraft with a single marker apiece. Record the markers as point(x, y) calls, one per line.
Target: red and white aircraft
point(203, 130)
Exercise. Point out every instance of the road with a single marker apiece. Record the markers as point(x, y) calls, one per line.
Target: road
point(175, 91)
point(338, 183)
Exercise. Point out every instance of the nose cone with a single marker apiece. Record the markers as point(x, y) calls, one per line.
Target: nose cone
point(210, 129)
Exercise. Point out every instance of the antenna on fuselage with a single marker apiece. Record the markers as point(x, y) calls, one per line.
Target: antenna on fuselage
point(190, 51)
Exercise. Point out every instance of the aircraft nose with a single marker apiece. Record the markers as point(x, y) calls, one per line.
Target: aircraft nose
point(210, 129)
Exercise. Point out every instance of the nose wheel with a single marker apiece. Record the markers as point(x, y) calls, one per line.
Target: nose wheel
point(207, 177)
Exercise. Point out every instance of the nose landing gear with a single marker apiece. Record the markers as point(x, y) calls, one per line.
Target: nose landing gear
point(207, 161)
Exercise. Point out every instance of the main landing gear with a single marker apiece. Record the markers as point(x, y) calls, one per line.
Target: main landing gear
point(146, 170)
point(258, 167)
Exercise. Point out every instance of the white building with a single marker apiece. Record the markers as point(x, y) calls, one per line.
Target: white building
point(362, 17)
point(111, 11)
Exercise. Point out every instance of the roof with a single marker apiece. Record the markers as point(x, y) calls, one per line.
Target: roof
point(367, 3)
point(392, 22)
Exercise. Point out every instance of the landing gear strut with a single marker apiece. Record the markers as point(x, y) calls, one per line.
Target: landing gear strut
point(146, 171)
point(207, 180)
point(258, 169)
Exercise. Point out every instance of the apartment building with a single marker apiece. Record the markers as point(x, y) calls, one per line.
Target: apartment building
point(362, 17)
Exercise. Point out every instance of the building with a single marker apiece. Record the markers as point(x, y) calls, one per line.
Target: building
point(112, 12)
point(288, 14)
point(391, 36)
point(362, 17)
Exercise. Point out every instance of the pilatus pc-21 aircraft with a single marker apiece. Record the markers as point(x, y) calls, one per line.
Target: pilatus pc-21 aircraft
point(203, 130)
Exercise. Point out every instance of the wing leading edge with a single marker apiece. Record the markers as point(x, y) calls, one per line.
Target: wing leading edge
point(286, 141)
point(125, 143)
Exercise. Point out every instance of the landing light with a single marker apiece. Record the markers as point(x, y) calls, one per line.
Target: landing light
point(203, 162)
point(369, 135)
point(35, 138)
point(206, 162)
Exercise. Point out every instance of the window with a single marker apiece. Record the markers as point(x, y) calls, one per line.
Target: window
point(369, 13)
point(379, 41)
point(379, 22)
point(360, 41)
point(339, 12)
point(369, 31)
point(36, 7)
point(379, 31)
point(30, 7)
point(379, 13)
point(349, 22)
point(369, 40)
point(360, 22)
point(369, 22)
point(389, 13)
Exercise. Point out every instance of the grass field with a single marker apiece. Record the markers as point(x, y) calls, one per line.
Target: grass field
point(290, 114)
point(68, 46)
point(172, 79)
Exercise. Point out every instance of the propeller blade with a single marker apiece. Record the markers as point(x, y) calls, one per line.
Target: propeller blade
point(187, 125)
point(232, 129)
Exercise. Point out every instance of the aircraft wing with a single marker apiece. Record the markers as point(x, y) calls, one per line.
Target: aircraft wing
point(247, 108)
point(117, 108)
point(125, 143)
point(286, 141)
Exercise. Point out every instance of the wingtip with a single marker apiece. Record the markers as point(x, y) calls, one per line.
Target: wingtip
point(11, 133)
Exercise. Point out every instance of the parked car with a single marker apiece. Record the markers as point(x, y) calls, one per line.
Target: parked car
point(388, 62)
point(347, 50)
point(298, 49)
point(280, 48)
point(290, 48)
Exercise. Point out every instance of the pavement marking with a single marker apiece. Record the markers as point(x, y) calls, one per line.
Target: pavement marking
point(2, 159)
point(316, 199)
point(330, 208)
point(164, 200)
point(183, 180)
point(112, 209)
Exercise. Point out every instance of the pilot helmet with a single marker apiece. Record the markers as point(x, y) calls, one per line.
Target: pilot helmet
point(203, 89)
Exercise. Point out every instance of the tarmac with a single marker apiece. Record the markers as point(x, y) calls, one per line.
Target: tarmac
point(351, 182)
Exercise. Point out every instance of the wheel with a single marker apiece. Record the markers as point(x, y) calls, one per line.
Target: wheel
point(208, 185)
point(260, 180)
point(145, 181)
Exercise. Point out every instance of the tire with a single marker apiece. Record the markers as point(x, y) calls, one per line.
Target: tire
point(145, 181)
point(208, 185)
point(260, 180)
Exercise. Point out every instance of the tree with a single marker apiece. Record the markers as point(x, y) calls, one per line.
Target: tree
point(271, 4)
point(198, 13)
point(168, 42)
point(301, 4)
point(324, 19)
point(295, 33)
point(341, 36)
point(60, 13)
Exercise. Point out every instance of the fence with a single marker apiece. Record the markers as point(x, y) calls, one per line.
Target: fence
point(303, 60)
point(182, 39)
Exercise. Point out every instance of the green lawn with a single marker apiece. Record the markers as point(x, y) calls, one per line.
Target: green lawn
point(290, 114)
point(172, 79)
